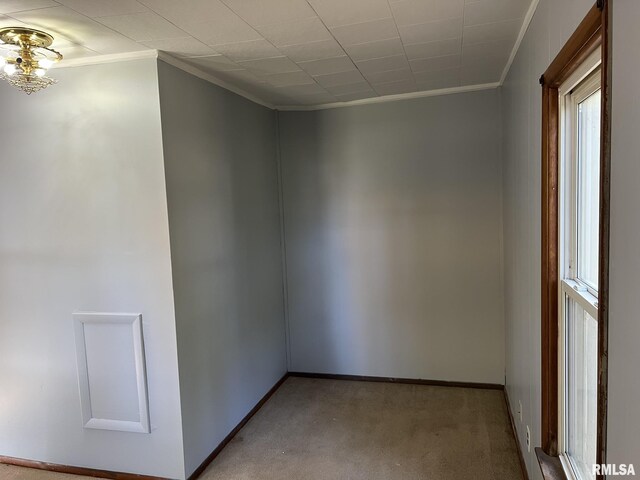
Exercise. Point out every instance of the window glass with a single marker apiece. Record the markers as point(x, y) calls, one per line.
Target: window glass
point(582, 388)
point(588, 188)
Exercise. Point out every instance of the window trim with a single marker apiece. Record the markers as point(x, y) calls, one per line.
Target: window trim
point(592, 34)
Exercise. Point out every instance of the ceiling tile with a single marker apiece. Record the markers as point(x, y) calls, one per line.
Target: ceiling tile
point(10, 6)
point(485, 51)
point(489, 11)
point(383, 64)
point(210, 21)
point(251, 50)
point(313, 51)
point(243, 77)
point(431, 32)
point(411, 12)
point(488, 32)
point(315, 99)
point(112, 42)
point(484, 63)
point(482, 72)
point(182, 47)
point(395, 88)
point(436, 63)
point(289, 78)
point(449, 75)
point(102, 8)
point(381, 48)
point(70, 27)
point(390, 76)
point(198, 11)
point(295, 33)
point(261, 12)
point(328, 65)
point(439, 79)
point(142, 26)
point(350, 97)
point(437, 84)
point(335, 13)
point(233, 31)
point(293, 51)
point(305, 89)
point(350, 88)
point(366, 32)
point(266, 66)
point(342, 78)
point(434, 49)
point(271, 95)
point(214, 63)
point(76, 51)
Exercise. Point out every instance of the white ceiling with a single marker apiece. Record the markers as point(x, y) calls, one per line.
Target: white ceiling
point(296, 52)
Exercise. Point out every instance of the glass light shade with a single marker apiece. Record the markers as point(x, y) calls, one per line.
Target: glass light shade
point(9, 69)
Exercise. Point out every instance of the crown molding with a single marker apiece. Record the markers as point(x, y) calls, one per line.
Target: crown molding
point(195, 71)
point(516, 46)
point(392, 98)
point(112, 58)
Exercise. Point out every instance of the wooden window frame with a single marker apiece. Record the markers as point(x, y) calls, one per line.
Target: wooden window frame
point(592, 33)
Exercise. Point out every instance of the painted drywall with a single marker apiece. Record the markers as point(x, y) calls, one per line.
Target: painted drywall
point(222, 190)
point(84, 228)
point(392, 218)
point(624, 304)
point(553, 23)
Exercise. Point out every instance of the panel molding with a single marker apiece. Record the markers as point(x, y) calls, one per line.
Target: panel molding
point(89, 420)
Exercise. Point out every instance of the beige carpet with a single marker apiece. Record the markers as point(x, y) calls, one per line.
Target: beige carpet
point(342, 430)
point(336, 429)
point(9, 472)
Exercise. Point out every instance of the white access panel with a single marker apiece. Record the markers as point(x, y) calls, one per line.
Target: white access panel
point(111, 371)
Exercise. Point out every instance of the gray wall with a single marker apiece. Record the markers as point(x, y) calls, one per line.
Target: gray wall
point(84, 227)
point(624, 311)
point(220, 160)
point(552, 25)
point(392, 215)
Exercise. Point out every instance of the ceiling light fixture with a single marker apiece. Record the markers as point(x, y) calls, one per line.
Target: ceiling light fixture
point(25, 57)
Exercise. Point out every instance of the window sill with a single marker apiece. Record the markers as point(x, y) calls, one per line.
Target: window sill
point(551, 466)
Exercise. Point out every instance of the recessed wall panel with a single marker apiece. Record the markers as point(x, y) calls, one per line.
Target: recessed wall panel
point(111, 371)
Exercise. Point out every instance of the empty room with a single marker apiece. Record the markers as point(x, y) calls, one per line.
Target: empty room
point(319, 239)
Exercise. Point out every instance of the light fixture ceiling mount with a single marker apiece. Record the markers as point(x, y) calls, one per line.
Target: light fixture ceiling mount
point(25, 57)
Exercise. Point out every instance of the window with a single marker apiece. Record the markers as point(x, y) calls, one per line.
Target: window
point(576, 159)
point(579, 222)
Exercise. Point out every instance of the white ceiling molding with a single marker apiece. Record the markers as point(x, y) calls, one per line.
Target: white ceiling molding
point(196, 72)
point(523, 30)
point(392, 98)
point(113, 58)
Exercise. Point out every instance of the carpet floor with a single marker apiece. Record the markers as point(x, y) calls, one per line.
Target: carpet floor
point(316, 429)
point(337, 429)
